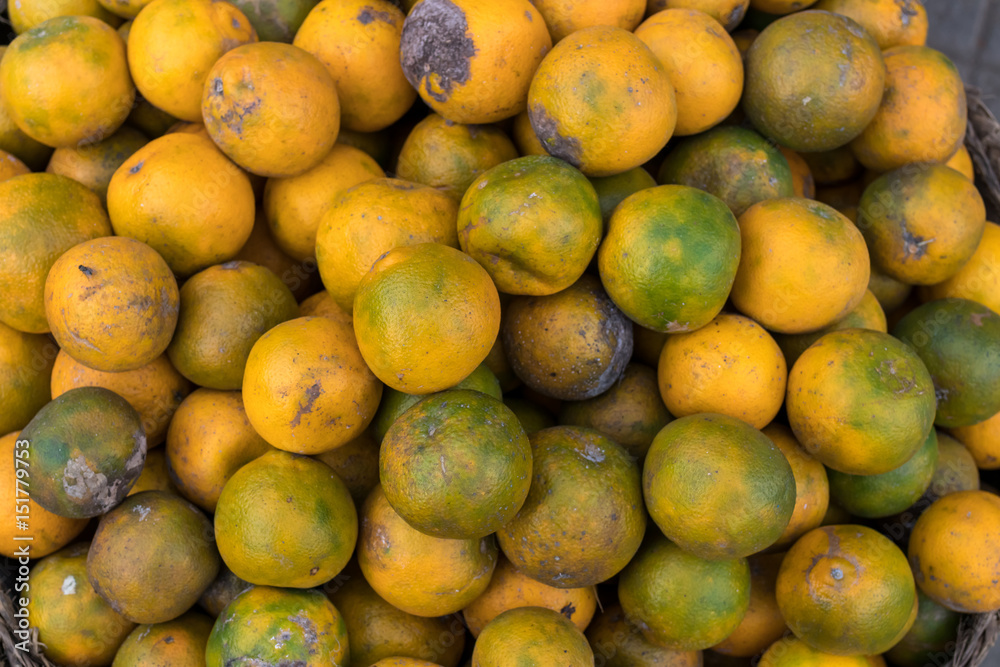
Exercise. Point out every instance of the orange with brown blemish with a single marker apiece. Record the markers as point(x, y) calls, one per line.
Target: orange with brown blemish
point(306, 388)
point(847, 590)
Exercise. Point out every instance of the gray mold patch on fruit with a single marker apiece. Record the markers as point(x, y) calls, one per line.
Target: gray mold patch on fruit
point(435, 48)
point(369, 14)
point(547, 130)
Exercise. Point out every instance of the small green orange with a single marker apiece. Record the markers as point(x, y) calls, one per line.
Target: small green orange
point(681, 601)
point(670, 257)
point(583, 519)
point(873, 496)
point(959, 341)
point(278, 626)
point(718, 487)
point(457, 465)
point(735, 164)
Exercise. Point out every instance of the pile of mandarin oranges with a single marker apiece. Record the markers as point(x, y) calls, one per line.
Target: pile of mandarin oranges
point(492, 333)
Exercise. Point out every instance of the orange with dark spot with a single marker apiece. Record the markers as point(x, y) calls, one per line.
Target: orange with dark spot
point(847, 590)
point(472, 62)
point(602, 101)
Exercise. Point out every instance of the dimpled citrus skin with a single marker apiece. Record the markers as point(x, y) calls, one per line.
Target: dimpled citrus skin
point(425, 316)
point(367, 220)
point(533, 223)
point(717, 487)
point(564, 17)
point(583, 519)
point(922, 116)
point(67, 82)
point(593, 76)
point(310, 631)
point(285, 499)
point(41, 217)
point(149, 534)
point(681, 601)
point(954, 551)
point(868, 314)
point(272, 108)
point(112, 303)
point(510, 589)
point(306, 388)
point(457, 465)
point(860, 401)
point(814, 80)
point(730, 366)
point(170, 73)
point(492, 51)
point(422, 575)
point(181, 196)
point(803, 265)
point(533, 636)
point(358, 42)
point(703, 62)
point(922, 223)
point(78, 629)
point(847, 590)
point(670, 257)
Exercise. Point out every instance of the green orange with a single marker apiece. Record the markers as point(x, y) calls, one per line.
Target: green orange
point(670, 257)
point(718, 487)
point(87, 450)
point(814, 80)
point(733, 163)
point(583, 519)
point(531, 636)
point(847, 590)
point(860, 401)
point(533, 223)
point(279, 626)
point(873, 496)
point(682, 601)
point(457, 464)
point(287, 499)
point(959, 341)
